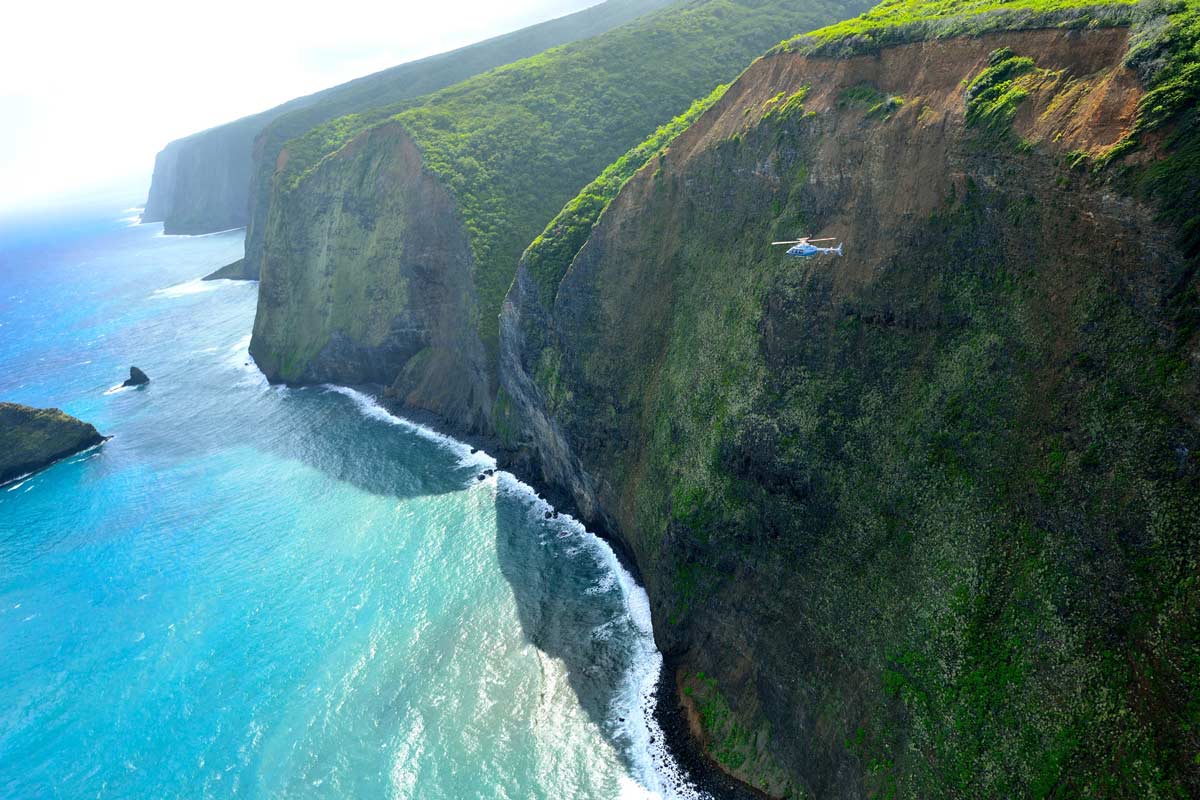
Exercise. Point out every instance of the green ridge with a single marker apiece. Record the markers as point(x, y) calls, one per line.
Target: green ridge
point(918, 20)
point(515, 144)
point(551, 253)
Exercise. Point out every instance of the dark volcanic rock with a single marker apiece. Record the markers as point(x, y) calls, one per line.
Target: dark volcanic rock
point(230, 272)
point(33, 438)
point(136, 378)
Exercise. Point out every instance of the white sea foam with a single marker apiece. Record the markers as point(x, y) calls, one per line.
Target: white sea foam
point(370, 407)
point(660, 776)
point(133, 218)
point(240, 359)
point(194, 286)
point(12, 484)
point(198, 235)
point(120, 387)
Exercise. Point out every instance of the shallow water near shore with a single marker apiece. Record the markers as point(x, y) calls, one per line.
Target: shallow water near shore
point(252, 591)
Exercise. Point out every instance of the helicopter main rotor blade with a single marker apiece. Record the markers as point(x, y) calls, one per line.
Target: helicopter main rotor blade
point(797, 241)
point(831, 239)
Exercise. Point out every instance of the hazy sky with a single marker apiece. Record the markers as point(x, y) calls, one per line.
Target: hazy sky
point(91, 90)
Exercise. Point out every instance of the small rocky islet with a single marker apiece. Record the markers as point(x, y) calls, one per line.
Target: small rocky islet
point(136, 378)
point(32, 439)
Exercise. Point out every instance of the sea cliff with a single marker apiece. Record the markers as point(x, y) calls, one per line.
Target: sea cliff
point(920, 521)
point(497, 157)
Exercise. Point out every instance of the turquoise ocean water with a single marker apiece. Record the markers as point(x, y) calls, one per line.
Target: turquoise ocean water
point(254, 591)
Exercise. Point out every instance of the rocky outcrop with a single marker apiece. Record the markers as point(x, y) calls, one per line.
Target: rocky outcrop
point(220, 178)
point(230, 272)
point(136, 378)
point(919, 521)
point(34, 438)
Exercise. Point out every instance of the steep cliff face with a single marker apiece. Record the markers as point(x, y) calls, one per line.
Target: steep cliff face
point(411, 81)
point(509, 149)
point(921, 521)
point(200, 183)
point(162, 185)
point(220, 178)
point(369, 280)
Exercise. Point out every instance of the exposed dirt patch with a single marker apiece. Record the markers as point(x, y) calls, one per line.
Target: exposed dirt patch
point(1083, 99)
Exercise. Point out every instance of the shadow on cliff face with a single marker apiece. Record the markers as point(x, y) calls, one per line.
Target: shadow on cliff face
point(572, 608)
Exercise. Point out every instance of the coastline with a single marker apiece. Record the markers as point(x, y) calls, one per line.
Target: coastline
point(679, 741)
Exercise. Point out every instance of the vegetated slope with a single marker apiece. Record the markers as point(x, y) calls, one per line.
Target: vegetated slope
point(359, 282)
point(202, 183)
point(923, 521)
point(33, 438)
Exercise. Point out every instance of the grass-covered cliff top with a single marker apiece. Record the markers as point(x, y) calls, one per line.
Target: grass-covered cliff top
point(897, 21)
point(405, 83)
point(516, 144)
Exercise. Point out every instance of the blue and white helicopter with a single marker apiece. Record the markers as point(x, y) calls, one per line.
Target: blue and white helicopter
point(804, 248)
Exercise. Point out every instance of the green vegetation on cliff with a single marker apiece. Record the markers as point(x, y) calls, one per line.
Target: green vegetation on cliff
point(900, 21)
point(1164, 50)
point(404, 83)
point(33, 438)
point(552, 251)
point(932, 510)
point(994, 94)
point(209, 180)
point(1166, 53)
point(989, 502)
point(514, 145)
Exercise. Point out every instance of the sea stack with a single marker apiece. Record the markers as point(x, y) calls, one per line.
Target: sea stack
point(34, 438)
point(136, 378)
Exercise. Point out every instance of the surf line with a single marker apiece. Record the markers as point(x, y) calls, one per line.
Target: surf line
point(661, 777)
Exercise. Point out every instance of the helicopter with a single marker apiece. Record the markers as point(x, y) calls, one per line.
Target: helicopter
point(804, 248)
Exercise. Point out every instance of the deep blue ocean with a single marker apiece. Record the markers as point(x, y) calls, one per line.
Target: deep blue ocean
point(254, 591)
